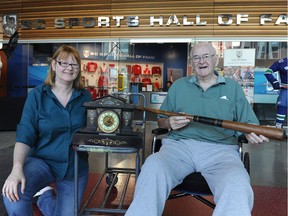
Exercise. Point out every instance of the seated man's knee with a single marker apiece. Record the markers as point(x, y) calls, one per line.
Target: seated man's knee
point(154, 163)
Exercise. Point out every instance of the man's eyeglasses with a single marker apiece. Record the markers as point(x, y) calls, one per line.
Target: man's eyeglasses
point(205, 57)
point(66, 64)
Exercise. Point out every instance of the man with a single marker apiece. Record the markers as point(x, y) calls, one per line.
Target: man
point(192, 146)
point(282, 68)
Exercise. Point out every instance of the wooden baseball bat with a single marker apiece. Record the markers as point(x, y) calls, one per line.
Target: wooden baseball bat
point(269, 132)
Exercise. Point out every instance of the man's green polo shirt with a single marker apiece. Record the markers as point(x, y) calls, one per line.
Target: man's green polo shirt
point(225, 100)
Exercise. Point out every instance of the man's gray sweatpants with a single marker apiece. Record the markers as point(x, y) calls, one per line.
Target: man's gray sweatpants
point(220, 165)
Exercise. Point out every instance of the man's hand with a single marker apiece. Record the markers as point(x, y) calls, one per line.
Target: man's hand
point(254, 139)
point(177, 122)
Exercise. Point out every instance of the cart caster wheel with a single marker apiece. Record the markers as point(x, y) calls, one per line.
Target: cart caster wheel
point(109, 179)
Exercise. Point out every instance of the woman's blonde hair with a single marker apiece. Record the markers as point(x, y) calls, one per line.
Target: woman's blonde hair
point(64, 52)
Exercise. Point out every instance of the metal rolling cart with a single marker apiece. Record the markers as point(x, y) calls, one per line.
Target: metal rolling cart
point(110, 128)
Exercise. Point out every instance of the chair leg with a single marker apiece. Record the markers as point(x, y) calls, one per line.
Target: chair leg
point(137, 167)
point(178, 195)
point(205, 201)
point(198, 197)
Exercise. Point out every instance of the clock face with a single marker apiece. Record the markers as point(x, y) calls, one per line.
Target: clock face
point(108, 121)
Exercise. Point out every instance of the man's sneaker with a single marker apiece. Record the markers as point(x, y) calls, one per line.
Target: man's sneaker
point(39, 193)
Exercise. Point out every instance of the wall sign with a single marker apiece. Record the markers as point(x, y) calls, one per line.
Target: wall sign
point(119, 19)
point(239, 65)
point(135, 21)
point(239, 57)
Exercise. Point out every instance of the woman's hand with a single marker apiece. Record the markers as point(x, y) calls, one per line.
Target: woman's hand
point(10, 187)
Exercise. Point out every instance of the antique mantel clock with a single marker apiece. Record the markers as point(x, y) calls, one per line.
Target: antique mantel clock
point(110, 115)
point(108, 122)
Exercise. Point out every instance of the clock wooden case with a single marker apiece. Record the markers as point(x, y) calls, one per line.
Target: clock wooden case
point(108, 123)
point(109, 115)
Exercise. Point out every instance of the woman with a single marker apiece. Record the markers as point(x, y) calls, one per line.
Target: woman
point(43, 152)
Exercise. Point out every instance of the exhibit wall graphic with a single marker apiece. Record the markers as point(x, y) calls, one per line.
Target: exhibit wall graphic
point(239, 65)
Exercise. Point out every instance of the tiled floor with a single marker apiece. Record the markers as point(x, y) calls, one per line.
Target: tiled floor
point(268, 170)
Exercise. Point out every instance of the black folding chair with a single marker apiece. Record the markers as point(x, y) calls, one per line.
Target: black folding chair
point(194, 184)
